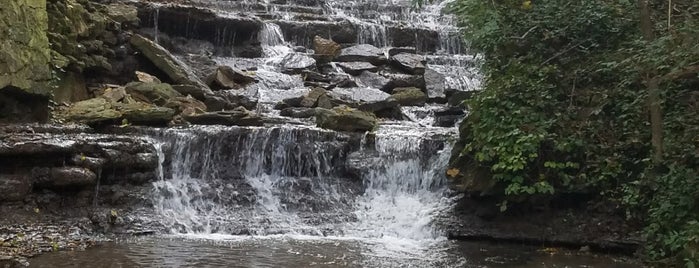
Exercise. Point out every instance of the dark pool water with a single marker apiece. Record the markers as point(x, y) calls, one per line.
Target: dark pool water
point(298, 251)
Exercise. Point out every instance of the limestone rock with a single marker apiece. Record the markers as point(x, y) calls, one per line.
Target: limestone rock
point(25, 53)
point(374, 80)
point(186, 105)
point(122, 13)
point(167, 63)
point(226, 77)
point(94, 110)
point(397, 50)
point(236, 117)
point(324, 46)
point(59, 177)
point(295, 63)
point(343, 118)
point(357, 67)
point(146, 78)
point(144, 113)
point(435, 85)
point(411, 63)
point(363, 52)
point(156, 93)
point(14, 187)
point(409, 96)
point(298, 112)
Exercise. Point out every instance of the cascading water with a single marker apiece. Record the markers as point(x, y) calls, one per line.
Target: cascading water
point(386, 187)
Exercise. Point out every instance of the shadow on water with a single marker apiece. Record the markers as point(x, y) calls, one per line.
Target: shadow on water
point(306, 251)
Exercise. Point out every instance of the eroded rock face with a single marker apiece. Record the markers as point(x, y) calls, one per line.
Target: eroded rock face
point(343, 118)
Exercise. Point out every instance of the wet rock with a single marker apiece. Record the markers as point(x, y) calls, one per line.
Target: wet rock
point(298, 112)
point(343, 118)
point(59, 177)
point(94, 110)
point(230, 99)
point(310, 99)
point(235, 117)
point(325, 49)
point(435, 86)
point(314, 76)
point(186, 105)
point(92, 163)
point(366, 99)
point(411, 63)
point(373, 80)
point(14, 187)
point(145, 114)
point(155, 93)
point(448, 117)
point(175, 70)
point(409, 96)
point(397, 50)
point(122, 13)
point(226, 77)
point(295, 63)
point(402, 80)
point(363, 52)
point(357, 67)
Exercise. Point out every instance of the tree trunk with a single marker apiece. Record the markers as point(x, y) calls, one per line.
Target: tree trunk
point(654, 102)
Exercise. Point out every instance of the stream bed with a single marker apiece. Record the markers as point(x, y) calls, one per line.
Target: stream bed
point(309, 251)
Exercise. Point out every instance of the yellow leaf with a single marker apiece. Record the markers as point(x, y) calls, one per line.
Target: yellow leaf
point(453, 172)
point(36, 210)
point(114, 213)
point(527, 4)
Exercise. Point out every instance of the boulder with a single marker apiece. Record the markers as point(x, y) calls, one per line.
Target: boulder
point(402, 80)
point(363, 52)
point(14, 187)
point(411, 63)
point(327, 48)
point(357, 67)
point(175, 70)
point(61, 177)
point(236, 117)
point(295, 63)
point(155, 93)
point(298, 112)
point(343, 118)
point(409, 96)
point(373, 80)
point(95, 110)
point(226, 77)
point(366, 99)
point(435, 86)
point(310, 99)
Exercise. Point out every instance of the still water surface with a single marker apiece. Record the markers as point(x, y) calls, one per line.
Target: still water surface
point(300, 251)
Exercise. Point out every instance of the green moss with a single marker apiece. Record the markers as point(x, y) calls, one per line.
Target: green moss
point(25, 52)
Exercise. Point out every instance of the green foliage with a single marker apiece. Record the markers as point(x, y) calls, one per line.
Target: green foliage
point(563, 107)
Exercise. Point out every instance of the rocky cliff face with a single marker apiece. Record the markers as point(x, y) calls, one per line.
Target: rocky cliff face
point(24, 59)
